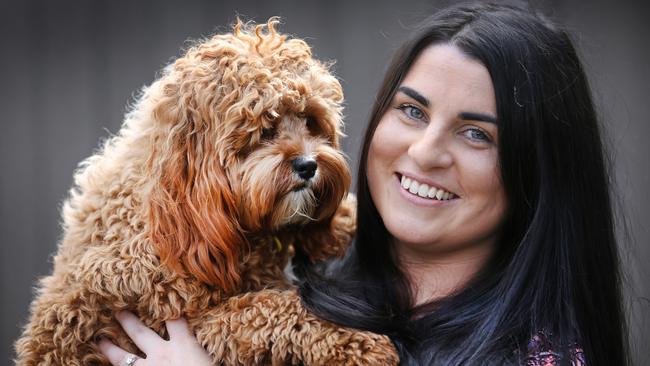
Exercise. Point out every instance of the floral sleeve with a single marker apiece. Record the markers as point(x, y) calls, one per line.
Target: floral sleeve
point(542, 352)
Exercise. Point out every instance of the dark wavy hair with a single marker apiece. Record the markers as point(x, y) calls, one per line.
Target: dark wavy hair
point(556, 267)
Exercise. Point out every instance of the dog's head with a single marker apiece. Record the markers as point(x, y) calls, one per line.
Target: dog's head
point(246, 139)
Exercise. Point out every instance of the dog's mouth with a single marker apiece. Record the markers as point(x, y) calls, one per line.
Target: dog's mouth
point(302, 185)
point(298, 206)
point(299, 187)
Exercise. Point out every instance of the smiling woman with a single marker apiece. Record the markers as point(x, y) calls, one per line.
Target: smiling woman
point(484, 215)
point(433, 169)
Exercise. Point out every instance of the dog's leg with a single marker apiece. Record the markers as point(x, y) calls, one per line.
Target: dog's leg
point(271, 327)
point(344, 222)
point(332, 237)
point(64, 326)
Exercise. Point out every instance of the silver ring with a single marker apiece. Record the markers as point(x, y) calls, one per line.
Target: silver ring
point(130, 360)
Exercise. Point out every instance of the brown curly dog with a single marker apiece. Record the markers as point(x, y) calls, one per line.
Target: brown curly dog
point(227, 164)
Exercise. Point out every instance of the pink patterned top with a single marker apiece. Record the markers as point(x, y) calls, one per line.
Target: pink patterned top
point(541, 352)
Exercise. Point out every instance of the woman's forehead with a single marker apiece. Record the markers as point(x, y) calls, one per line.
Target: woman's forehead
point(443, 73)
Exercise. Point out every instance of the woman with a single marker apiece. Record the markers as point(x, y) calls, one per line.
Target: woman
point(485, 225)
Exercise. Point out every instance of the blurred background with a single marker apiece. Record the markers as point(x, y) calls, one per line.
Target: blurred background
point(69, 69)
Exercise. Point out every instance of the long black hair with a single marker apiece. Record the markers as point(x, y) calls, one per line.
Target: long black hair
point(556, 264)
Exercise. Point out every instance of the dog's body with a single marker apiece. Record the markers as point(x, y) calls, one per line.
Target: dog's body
point(227, 164)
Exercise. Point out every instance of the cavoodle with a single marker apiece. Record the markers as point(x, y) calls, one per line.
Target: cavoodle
point(226, 166)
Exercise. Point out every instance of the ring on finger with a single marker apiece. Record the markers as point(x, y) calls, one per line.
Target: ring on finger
point(130, 360)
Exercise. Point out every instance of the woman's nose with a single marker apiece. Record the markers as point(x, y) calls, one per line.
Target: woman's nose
point(430, 150)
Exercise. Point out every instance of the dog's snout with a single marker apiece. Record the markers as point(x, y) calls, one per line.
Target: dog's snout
point(304, 167)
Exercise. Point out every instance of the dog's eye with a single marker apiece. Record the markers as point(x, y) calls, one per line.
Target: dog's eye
point(268, 133)
point(313, 126)
point(310, 121)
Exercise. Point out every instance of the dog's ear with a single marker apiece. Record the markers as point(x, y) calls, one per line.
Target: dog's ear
point(193, 224)
point(332, 237)
point(192, 208)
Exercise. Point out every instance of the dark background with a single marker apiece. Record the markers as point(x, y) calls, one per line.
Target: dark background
point(69, 68)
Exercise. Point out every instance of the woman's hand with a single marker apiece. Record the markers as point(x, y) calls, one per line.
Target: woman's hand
point(181, 349)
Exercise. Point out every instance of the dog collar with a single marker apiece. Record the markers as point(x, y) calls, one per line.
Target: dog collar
point(278, 243)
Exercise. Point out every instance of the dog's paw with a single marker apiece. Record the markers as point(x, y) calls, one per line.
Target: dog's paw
point(361, 348)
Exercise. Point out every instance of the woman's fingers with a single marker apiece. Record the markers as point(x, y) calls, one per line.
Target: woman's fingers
point(116, 356)
point(178, 329)
point(143, 337)
point(181, 349)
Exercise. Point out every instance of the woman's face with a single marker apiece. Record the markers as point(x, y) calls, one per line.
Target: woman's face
point(433, 167)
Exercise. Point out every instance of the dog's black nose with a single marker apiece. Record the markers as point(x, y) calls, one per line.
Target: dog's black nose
point(306, 168)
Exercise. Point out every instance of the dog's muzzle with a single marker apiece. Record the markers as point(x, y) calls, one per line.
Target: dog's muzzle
point(304, 167)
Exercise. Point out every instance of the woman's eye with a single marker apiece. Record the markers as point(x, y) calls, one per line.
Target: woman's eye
point(476, 134)
point(412, 111)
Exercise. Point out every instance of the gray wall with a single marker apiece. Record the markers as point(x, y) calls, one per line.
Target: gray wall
point(68, 69)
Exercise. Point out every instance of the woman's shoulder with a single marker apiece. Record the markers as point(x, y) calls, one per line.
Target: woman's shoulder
point(542, 351)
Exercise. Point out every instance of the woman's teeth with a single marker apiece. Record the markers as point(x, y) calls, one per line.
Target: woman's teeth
point(423, 190)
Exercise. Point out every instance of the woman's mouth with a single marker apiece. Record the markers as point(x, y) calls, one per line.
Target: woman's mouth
point(412, 186)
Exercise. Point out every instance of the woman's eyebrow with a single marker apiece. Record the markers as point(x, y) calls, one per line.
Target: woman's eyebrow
point(473, 116)
point(415, 95)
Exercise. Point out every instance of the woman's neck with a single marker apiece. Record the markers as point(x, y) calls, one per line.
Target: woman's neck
point(436, 275)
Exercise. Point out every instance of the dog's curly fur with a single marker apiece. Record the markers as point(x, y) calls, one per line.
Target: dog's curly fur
point(194, 208)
